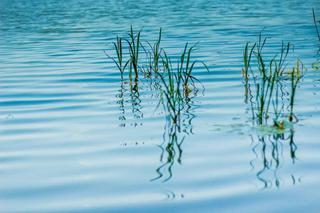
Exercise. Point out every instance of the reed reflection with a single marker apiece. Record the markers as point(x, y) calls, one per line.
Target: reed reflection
point(171, 147)
point(129, 94)
point(271, 153)
point(174, 84)
point(270, 87)
point(270, 93)
point(178, 88)
point(316, 21)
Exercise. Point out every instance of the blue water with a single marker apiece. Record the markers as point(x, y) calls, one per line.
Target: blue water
point(74, 139)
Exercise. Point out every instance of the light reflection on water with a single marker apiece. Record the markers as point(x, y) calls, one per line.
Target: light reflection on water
point(74, 137)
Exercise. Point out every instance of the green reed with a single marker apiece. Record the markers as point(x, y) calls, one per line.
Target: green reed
point(178, 83)
point(185, 67)
point(296, 75)
point(155, 54)
point(134, 50)
point(266, 77)
point(119, 53)
point(316, 23)
point(247, 54)
point(172, 98)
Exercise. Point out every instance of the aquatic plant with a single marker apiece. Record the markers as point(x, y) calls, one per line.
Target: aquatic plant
point(185, 68)
point(263, 82)
point(134, 50)
point(172, 97)
point(247, 54)
point(316, 64)
point(315, 21)
point(171, 147)
point(153, 56)
point(178, 87)
point(178, 83)
point(296, 75)
point(119, 52)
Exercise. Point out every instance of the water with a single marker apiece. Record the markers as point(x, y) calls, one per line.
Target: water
point(74, 139)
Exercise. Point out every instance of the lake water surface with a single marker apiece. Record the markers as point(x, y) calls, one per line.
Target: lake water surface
point(73, 137)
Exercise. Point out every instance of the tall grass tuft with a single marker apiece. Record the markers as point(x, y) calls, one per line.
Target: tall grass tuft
point(134, 49)
point(155, 54)
point(172, 97)
point(178, 83)
point(247, 54)
point(316, 23)
point(119, 52)
point(185, 68)
point(263, 80)
point(296, 75)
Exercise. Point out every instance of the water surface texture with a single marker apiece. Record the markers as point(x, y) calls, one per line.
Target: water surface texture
point(74, 138)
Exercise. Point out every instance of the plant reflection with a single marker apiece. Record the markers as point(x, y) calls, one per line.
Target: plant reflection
point(270, 93)
point(270, 155)
point(178, 87)
point(134, 100)
point(171, 147)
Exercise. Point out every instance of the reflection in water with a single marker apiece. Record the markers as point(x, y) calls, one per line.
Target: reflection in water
point(134, 100)
point(173, 138)
point(269, 144)
point(171, 151)
point(270, 90)
point(269, 151)
point(120, 101)
point(175, 88)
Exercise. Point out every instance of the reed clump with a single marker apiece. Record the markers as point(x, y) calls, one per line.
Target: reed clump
point(264, 81)
point(153, 54)
point(316, 64)
point(131, 55)
point(134, 51)
point(118, 60)
point(176, 81)
point(316, 22)
point(179, 84)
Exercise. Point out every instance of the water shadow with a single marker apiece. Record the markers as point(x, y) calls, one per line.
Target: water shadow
point(129, 94)
point(271, 152)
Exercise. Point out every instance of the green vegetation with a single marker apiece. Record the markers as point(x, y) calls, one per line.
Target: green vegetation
point(176, 84)
point(119, 52)
point(153, 56)
point(316, 64)
point(134, 50)
point(264, 80)
point(270, 91)
point(315, 21)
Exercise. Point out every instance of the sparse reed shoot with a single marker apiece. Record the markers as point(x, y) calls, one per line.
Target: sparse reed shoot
point(119, 53)
point(315, 21)
point(296, 75)
point(263, 79)
point(134, 49)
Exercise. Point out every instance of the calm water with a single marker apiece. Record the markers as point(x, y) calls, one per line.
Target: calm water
point(73, 138)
